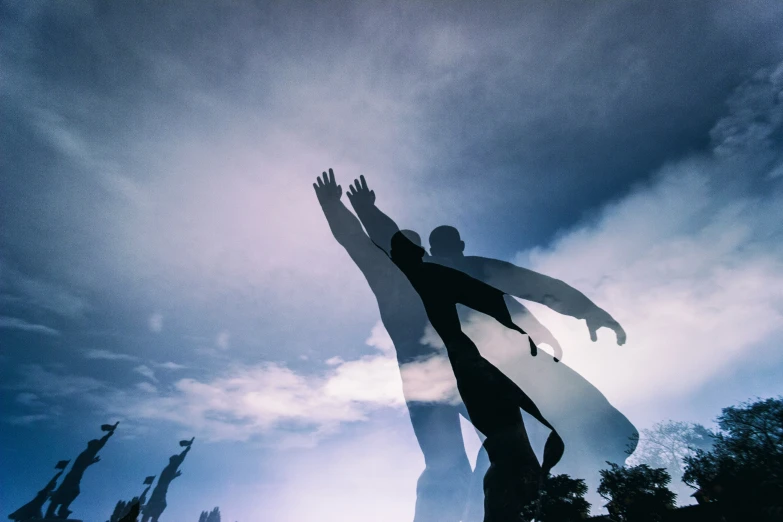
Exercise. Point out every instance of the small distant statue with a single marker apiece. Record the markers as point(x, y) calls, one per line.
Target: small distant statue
point(123, 508)
point(33, 509)
point(69, 489)
point(157, 503)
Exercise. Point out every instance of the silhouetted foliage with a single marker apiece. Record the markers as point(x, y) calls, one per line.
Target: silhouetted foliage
point(210, 516)
point(745, 465)
point(666, 445)
point(561, 500)
point(636, 493)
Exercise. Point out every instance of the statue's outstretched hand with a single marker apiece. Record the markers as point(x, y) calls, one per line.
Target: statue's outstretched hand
point(96, 460)
point(179, 474)
point(602, 319)
point(359, 194)
point(327, 190)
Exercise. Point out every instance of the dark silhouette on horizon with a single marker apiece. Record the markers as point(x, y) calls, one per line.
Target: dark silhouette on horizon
point(34, 508)
point(157, 503)
point(594, 430)
point(62, 498)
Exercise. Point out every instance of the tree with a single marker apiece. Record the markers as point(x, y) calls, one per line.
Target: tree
point(666, 445)
point(743, 469)
point(212, 516)
point(561, 500)
point(636, 493)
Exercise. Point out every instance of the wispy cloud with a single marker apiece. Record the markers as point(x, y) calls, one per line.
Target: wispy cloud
point(146, 371)
point(38, 293)
point(15, 323)
point(108, 355)
point(169, 365)
point(691, 264)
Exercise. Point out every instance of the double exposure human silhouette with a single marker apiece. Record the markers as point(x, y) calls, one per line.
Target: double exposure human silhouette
point(492, 400)
point(33, 509)
point(442, 487)
point(593, 429)
point(69, 488)
point(157, 503)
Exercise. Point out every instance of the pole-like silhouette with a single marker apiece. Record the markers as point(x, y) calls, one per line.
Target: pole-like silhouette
point(594, 430)
point(33, 509)
point(69, 488)
point(493, 400)
point(157, 503)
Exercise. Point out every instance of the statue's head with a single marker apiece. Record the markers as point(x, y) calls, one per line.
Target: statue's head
point(445, 241)
point(406, 249)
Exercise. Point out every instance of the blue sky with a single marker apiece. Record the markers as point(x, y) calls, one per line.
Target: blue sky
point(164, 261)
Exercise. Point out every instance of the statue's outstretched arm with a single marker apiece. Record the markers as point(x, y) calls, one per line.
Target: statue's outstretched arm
point(484, 298)
point(345, 227)
point(554, 293)
point(379, 226)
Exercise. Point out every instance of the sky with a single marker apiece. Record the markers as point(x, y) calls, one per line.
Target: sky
point(164, 261)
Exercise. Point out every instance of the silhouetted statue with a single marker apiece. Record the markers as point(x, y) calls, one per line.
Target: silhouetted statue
point(493, 400)
point(157, 503)
point(442, 486)
point(33, 509)
point(593, 429)
point(69, 489)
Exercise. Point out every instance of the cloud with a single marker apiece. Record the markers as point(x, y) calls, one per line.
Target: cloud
point(691, 263)
point(156, 323)
point(47, 384)
point(108, 355)
point(146, 387)
point(39, 294)
point(14, 323)
point(170, 366)
point(146, 371)
point(379, 338)
point(24, 420)
point(28, 399)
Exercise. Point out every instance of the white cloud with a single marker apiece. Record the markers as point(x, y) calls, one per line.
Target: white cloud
point(14, 323)
point(155, 323)
point(146, 371)
point(146, 387)
point(108, 355)
point(169, 365)
point(690, 264)
point(379, 338)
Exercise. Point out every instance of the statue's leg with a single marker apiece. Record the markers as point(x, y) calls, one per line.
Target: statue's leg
point(474, 508)
point(441, 488)
point(50, 510)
